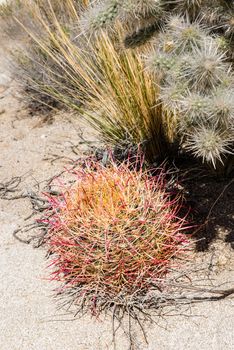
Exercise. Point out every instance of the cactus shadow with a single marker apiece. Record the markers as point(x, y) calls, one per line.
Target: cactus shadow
point(211, 201)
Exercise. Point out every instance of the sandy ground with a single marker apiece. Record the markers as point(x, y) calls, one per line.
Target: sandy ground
point(28, 316)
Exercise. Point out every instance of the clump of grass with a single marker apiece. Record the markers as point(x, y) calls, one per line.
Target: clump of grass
point(122, 101)
point(30, 19)
point(108, 85)
point(113, 234)
point(5, 8)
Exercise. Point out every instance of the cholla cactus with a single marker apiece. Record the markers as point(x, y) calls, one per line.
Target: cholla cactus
point(143, 17)
point(197, 86)
point(146, 17)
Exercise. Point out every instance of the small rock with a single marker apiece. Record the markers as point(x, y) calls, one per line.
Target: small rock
point(5, 80)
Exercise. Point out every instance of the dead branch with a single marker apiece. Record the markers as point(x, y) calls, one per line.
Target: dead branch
point(10, 186)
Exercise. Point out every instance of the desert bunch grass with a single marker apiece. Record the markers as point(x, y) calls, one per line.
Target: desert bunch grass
point(4, 8)
point(31, 19)
point(100, 80)
point(123, 101)
point(113, 234)
point(66, 11)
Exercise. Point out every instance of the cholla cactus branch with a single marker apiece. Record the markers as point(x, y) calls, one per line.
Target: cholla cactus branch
point(143, 8)
point(100, 15)
point(196, 85)
point(186, 35)
point(188, 7)
point(105, 12)
point(194, 108)
point(221, 107)
point(209, 144)
point(206, 67)
point(142, 35)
